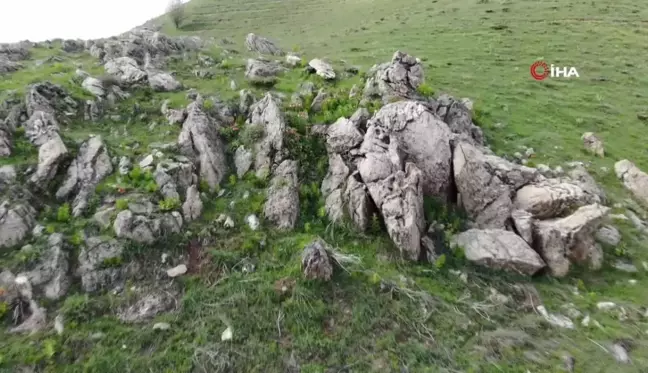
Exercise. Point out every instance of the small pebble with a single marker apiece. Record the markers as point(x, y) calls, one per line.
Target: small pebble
point(177, 271)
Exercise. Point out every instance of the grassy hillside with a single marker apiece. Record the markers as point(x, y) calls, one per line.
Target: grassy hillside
point(378, 314)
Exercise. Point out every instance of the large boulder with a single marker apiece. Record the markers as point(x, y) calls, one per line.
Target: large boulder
point(94, 86)
point(486, 184)
point(499, 249)
point(262, 45)
point(399, 78)
point(50, 98)
point(267, 117)
point(100, 264)
point(49, 275)
point(316, 263)
point(551, 198)
point(16, 222)
point(162, 81)
point(42, 131)
point(126, 70)
point(90, 167)
point(421, 138)
point(571, 239)
point(635, 180)
point(459, 118)
point(200, 141)
point(322, 68)
point(282, 206)
point(346, 134)
point(144, 229)
point(262, 71)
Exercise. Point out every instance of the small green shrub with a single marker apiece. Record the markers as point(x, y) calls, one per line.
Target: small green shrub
point(77, 238)
point(121, 204)
point(82, 308)
point(169, 204)
point(151, 187)
point(232, 180)
point(63, 213)
point(252, 134)
point(112, 262)
point(425, 90)
point(136, 174)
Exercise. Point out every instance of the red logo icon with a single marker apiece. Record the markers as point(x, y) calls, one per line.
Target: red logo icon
point(542, 67)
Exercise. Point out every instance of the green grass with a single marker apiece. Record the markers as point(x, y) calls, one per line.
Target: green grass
point(379, 315)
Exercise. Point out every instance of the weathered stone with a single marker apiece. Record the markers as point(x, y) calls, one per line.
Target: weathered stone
point(50, 273)
point(608, 235)
point(500, 249)
point(243, 159)
point(193, 206)
point(94, 256)
point(201, 141)
point(267, 115)
point(570, 239)
point(126, 70)
point(262, 71)
point(635, 180)
point(399, 78)
point(322, 68)
point(282, 206)
point(150, 303)
point(90, 167)
point(262, 45)
point(162, 81)
point(94, 86)
point(550, 198)
point(16, 222)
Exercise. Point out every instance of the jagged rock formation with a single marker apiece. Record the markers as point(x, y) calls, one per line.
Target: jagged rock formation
point(200, 141)
point(262, 45)
point(267, 116)
point(396, 79)
point(316, 263)
point(635, 180)
point(91, 165)
point(282, 206)
point(16, 222)
point(50, 275)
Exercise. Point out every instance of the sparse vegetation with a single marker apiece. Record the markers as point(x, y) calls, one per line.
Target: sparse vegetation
point(176, 12)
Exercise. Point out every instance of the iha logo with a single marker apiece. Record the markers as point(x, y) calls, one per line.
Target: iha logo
point(540, 71)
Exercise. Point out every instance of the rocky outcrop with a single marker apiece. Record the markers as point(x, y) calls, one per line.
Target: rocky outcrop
point(90, 167)
point(551, 198)
point(6, 144)
point(266, 115)
point(499, 249)
point(635, 180)
point(42, 131)
point(282, 205)
point(243, 159)
point(399, 78)
point(262, 71)
point(144, 229)
point(322, 68)
point(16, 222)
point(161, 81)
point(94, 86)
point(50, 274)
point(125, 70)
point(262, 45)
point(316, 263)
point(100, 264)
point(458, 117)
point(486, 184)
point(567, 240)
point(412, 130)
point(200, 141)
point(50, 98)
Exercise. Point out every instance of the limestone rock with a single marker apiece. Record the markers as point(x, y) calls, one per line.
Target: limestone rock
point(262, 71)
point(635, 180)
point(262, 45)
point(500, 249)
point(42, 131)
point(96, 252)
point(243, 159)
point(608, 235)
point(399, 78)
point(201, 141)
point(94, 86)
point(322, 68)
point(267, 115)
point(149, 303)
point(50, 273)
point(16, 222)
point(90, 167)
point(570, 239)
point(282, 206)
point(126, 70)
point(162, 81)
point(459, 119)
point(550, 198)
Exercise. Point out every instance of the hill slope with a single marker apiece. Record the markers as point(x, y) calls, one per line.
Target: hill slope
point(245, 303)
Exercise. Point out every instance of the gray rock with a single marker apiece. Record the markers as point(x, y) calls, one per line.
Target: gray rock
point(262, 45)
point(193, 206)
point(459, 120)
point(246, 100)
point(125, 165)
point(262, 71)
point(620, 353)
point(147, 161)
point(200, 141)
point(50, 273)
point(419, 135)
point(162, 81)
point(50, 98)
point(8, 175)
point(243, 159)
point(551, 198)
point(42, 131)
point(6, 143)
point(333, 187)
point(582, 178)
point(268, 151)
point(359, 203)
point(293, 60)
point(95, 254)
point(523, 222)
point(346, 134)
point(90, 167)
point(570, 239)
point(150, 303)
point(16, 222)
point(176, 271)
point(316, 263)
point(486, 184)
point(397, 79)
point(126, 70)
point(103, 217)
point(252, 222)
point(322, 68)
point(608, 235)
point(94, 86)
point(499, 249)
point(635, 180)
point(282, 206)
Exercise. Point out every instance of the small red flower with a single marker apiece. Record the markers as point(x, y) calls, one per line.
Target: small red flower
point(235, 128)
point(121, 190)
